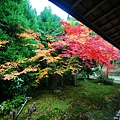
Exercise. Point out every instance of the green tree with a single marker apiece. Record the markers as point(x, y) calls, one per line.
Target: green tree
point(49, 25)
point(31, 15)
point(15, 17)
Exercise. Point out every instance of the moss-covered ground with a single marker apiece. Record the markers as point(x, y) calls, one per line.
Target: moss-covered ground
point(86, 101)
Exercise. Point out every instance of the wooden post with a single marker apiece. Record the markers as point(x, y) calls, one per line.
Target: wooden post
point(14, 114)
point(75, 77)
point(31, 110)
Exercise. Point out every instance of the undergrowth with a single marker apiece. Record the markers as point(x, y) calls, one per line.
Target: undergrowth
point(87, 101)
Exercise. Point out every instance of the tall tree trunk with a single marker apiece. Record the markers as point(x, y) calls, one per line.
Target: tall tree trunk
point(107, 72)
point(101, 66)
point(46, 81)
point(87, 75)
point(75, 78)
point(61, 81)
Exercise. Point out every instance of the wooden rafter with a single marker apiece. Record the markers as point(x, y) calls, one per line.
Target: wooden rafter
point(106, 14)
point(112, 28)
point(117, 41)
point(118, 36)
point(76, 3)
point(110, 34)
point(109, 22)
point(94, 8)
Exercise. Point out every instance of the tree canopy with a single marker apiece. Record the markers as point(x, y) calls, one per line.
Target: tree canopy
point(79, 41)
point(43, 50)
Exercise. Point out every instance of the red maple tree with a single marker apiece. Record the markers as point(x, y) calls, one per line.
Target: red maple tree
point(79, 41)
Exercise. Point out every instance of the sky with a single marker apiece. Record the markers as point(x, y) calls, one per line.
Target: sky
point(40, 4)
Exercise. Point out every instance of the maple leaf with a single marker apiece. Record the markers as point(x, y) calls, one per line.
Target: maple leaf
point(8, 65)
point(11, 76)
point(3, 42)
point(45, 55)
point(29, 34)
point(29, 69)
point(42, 73)
point(80, 43)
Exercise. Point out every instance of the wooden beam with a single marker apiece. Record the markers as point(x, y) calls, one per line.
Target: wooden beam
point(118, 36)
point(112, 28)
point(117, 41)
point(113, 33)
point(76, 3)
point(109, 22)
point(106, 14)
point(94, 8)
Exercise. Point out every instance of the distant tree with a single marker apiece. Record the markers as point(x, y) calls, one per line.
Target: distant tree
point(49, 22)
point(49, 25)
point(31, 15)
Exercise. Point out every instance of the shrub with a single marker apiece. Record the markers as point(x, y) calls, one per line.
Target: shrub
point(12, 88)
point(106, 80)
point(8, 105)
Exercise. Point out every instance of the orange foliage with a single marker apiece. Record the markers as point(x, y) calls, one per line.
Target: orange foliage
point(29, 69)
point(50, 38)
point(46, 56)
point(5, 67)
point(14, 74)
point(41, 54)
point(42, 73)
point(30, 34)
point(11, 76)
point(3, 42)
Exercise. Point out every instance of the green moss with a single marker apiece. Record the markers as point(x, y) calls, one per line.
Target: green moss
point(88, 100)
